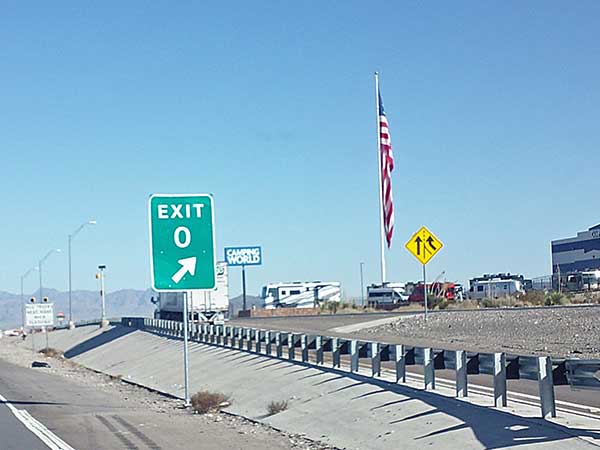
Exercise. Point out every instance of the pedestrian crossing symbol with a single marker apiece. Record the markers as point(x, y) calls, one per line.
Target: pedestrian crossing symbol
point(424, 245)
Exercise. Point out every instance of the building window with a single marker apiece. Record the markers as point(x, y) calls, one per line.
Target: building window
point(479, 288)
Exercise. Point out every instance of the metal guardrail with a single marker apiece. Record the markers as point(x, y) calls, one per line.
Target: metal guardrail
point(296, 346)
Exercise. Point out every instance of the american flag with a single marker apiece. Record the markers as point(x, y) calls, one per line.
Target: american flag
point(387, 165)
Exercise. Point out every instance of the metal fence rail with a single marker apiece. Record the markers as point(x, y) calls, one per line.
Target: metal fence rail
point(296, 347)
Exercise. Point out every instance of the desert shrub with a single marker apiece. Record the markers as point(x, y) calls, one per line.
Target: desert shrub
point(204, 401)
point(555, 298)
point(532, 298)
point(52, 352)
point(277, 407)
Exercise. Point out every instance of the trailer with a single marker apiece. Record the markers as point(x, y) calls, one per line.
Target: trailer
point(203, 306)
point(299, 294)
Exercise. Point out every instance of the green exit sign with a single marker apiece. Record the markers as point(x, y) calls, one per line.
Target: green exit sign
point(182, 242)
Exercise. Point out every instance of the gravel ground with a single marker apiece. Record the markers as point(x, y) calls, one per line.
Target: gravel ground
point(233, 431)
point(559, 332)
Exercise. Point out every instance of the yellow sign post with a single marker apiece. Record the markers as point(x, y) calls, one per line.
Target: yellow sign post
point(424, 245)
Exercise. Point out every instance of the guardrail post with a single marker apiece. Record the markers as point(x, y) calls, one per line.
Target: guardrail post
point(461, 373)
point(428, 369)
point(242, 337)
point(278, 346)
point(500, 394)
point(319, 349)
point(353, 356)
point(249, 332)
point(546, 387)
point(400, 364)
point(335, 351)
point(268, 348)
point(304, 347)
point(375, 360)
point(258, 335)
point(233, 337)
point(227, 337)
point(291, 348)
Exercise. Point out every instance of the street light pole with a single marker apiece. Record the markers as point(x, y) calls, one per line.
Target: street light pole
point(22, 296)
point(71, 237)
point(362, 287)
point(40, 263)
point(103, 321)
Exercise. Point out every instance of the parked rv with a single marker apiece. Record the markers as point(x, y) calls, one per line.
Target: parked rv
point(495, 288)
point(298, 294)
point(387, 296)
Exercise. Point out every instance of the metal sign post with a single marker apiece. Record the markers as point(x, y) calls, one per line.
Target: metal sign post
point(243, 256)
point(243, 287)
point(182, 251)
point(424, 245)
point(425, 290)
point(186, 372)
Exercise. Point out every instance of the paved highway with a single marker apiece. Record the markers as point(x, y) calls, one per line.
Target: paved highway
point(14, 434)
point(115, 417)
point(331, 325)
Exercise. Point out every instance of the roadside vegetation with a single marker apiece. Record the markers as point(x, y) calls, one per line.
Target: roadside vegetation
point(52, 352)
point(205, 402)
point(277, 407)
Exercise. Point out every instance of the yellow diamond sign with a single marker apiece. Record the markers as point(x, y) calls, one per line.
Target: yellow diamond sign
point(423, 245)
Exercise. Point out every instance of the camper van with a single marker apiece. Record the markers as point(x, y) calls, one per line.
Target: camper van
point(298, 294)
point(387, 296)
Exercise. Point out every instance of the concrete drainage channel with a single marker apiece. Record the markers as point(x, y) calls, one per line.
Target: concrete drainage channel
point(350, 355)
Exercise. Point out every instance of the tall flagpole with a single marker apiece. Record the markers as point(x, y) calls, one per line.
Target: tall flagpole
point(381, 220)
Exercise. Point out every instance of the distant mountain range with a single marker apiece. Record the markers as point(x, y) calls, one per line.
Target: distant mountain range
point(86, 304)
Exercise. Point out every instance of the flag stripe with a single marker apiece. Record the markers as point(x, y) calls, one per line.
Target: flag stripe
point(387, 166)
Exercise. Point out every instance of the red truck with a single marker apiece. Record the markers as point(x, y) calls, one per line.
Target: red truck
point(446, 290)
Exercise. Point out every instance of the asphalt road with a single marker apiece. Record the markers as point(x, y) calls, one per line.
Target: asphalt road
point(14, 435)
point(326, 323)
point(118, 417)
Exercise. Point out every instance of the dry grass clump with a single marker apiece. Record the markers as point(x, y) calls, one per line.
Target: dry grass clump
point(52, 352)
point(277, 407)
point(204, 402)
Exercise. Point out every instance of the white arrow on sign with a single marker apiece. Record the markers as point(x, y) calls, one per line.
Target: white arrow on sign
point(187, 265)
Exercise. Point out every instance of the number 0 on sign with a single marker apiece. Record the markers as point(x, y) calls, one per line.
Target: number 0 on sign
point(182, 242)
point(423, 245)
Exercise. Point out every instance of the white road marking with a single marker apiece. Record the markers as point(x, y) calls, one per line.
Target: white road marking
point(36, 427)
point(369, 324)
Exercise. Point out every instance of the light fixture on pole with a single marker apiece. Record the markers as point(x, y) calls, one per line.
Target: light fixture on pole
point(100, 276)
point(41, 262)
point(22, 296)
point(71, 237)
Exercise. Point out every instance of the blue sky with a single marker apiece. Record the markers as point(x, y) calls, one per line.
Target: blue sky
point(493, 110)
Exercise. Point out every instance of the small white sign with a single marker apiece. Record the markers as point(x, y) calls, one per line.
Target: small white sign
point(39, 314)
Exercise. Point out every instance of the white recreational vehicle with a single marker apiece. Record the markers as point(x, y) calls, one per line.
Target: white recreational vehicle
point(298, 294)
point(495, 288)
point(387, 296)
